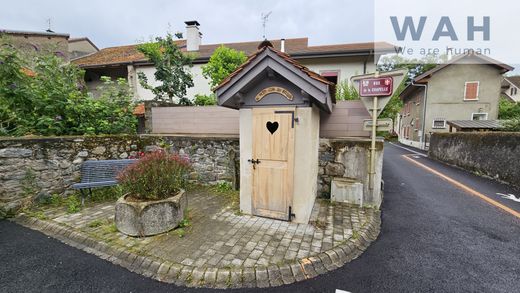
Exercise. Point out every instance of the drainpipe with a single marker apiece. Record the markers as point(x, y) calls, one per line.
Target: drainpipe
point(423, 136)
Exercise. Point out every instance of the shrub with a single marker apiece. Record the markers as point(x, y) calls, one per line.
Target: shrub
point(44, 95)
point(155, 176)
point(205, 100)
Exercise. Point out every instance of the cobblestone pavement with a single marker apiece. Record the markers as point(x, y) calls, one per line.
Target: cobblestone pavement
point(221, 248)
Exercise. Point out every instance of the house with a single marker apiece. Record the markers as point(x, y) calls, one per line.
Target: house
point(334, 62)
point(79, 47)
point(30, 42)
point(468, 87)
point(51, 42)
point(511, 88)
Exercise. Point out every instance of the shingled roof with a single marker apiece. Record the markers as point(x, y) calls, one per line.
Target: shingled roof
point(287, 58)
point(297, 47)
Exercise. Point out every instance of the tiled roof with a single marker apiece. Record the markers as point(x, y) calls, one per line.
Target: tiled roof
point(139, 109)
point(515, 80)
point(298, 46)
point(475, 124)
point(287, 58)
point(115, 55)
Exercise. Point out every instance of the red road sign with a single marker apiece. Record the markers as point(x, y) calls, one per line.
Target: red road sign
point(376, 87)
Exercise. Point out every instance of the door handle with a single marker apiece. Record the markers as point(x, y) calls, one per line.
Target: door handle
point(254, 162)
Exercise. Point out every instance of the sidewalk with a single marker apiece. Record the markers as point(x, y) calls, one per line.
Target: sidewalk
point(220, 248)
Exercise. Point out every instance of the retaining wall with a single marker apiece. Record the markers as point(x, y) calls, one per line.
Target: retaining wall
point(34, 167)
point(494, 154)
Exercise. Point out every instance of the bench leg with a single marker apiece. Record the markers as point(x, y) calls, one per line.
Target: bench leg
point(82, 197)
point(90, 193)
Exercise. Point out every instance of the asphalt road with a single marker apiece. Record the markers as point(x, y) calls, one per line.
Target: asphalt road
point(435, 237)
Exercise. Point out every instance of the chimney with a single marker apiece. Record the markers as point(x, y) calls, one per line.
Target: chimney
point(193, 35)
point(282, 45)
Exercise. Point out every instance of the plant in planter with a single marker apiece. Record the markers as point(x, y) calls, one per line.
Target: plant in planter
point(154, 199)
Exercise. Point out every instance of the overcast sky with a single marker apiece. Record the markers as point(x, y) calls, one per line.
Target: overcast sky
point(112, 23)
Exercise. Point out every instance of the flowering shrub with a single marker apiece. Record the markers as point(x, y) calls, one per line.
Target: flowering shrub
point(155, 176)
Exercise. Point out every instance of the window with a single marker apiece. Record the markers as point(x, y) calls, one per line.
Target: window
point(479, 116)
point(513, 91)
point(471, 90)
point(439, 123)
point(331, 75)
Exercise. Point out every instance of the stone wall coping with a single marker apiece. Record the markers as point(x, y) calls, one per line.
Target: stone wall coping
point(100, 137)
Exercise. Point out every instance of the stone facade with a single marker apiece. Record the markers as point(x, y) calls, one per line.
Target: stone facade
point(34, 167)
point(348, 158)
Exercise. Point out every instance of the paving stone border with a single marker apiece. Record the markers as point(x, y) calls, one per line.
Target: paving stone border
point(191, 276)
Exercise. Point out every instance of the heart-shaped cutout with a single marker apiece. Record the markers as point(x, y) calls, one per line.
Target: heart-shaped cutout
point(271, 126)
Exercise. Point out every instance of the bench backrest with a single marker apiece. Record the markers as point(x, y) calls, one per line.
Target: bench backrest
point(102, 170)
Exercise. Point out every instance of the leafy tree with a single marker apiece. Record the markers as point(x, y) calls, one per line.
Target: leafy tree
point(223, 62)
point(172, 70)
point(205, 100)
point(43, 95)
point(345, 91)
point(508, 109)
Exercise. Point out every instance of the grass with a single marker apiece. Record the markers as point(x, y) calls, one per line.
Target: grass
point(225, 188)
point(184, 225)
point(95, 223)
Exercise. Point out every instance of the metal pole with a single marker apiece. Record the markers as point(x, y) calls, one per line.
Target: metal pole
point(373, 146)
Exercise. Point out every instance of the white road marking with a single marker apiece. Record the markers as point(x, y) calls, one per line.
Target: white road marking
point(510, 196)
point(410, 150)
point(342, 291)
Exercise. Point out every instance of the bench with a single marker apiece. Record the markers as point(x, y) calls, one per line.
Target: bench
point(100, 173)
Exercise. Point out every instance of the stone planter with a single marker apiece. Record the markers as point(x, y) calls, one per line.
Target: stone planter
point(146, 218)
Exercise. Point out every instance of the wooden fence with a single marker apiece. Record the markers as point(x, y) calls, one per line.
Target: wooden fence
point(346, 120)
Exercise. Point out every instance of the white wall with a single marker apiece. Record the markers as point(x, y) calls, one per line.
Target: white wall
point(306, 147)
point(346, 66)
point(201, 84)
point(246, 152)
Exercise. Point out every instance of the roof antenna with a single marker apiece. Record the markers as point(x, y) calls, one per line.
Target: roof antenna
point(265, 17)
point(49, 30)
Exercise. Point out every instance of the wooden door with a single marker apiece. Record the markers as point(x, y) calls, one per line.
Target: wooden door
point(273, 147)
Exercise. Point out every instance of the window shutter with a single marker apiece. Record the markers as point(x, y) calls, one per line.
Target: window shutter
point(471, 91)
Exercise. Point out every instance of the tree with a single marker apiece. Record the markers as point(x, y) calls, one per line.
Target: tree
point(44, 95)
point(223, 62)
point(205, 100)
point(508, 109)
point(171, 70)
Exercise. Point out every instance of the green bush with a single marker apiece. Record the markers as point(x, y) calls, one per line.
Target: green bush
point(508, 109)
point(346, 92)
point(155, 176)
point(205, 100)
point(512, 125)
point(44, 95)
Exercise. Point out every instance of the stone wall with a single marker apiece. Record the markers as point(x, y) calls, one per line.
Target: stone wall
point(493, 154)
point(348, 160)
point(35, 167)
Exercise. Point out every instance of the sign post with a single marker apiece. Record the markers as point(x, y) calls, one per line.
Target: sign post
point(377, 88)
